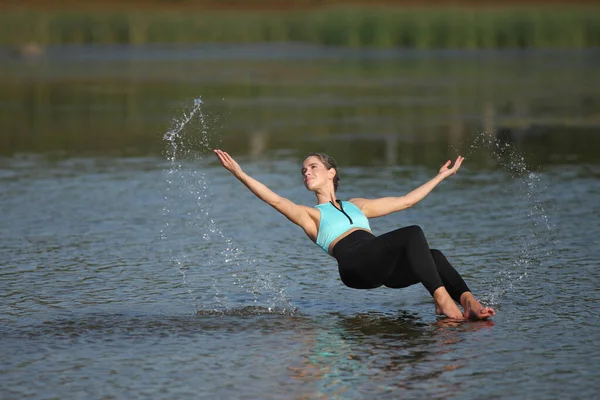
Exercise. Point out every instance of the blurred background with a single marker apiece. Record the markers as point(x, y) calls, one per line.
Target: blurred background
point(109, 77)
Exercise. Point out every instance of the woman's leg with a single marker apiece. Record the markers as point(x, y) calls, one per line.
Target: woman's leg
point(452, 280)
point(396, 259)
point(413, 262)
point(412, 259)
point(458, 289)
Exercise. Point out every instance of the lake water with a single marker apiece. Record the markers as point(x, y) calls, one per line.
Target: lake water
point(133, 266)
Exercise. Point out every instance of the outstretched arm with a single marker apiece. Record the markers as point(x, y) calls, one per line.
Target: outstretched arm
point(295, 213)
point(373, 208)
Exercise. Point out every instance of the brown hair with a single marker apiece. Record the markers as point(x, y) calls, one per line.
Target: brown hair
point(329, 163)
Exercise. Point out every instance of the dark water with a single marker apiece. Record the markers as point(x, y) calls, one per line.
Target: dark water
point(134, 266)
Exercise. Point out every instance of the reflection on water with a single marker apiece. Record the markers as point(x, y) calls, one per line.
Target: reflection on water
point(333, 356)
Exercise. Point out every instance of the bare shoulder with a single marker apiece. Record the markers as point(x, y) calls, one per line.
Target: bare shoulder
point(372, 208)
point(359, 202)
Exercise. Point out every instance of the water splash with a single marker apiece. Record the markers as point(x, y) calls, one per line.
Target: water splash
point(215, 273)
point(176, 152)
point(534, 233)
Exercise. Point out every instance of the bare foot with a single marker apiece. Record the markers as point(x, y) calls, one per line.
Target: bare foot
point(444, 305)
point(473, 308)
point(438, 309)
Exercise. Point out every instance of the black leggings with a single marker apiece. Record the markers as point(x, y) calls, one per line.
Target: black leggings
point(396, 259)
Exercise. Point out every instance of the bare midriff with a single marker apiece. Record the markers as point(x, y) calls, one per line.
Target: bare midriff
point(343, 235)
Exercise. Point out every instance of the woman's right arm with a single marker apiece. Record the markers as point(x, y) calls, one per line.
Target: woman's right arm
point(300, 215)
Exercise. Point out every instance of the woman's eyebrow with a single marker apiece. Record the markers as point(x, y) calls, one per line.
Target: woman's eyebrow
point(309, 165)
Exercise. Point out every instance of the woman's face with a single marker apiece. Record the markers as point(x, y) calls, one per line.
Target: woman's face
point(315, 174)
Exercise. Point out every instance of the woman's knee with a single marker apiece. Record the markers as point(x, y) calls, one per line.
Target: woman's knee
point(436, 254)
point(439, 258)
point(415, 231)
point(405, 236)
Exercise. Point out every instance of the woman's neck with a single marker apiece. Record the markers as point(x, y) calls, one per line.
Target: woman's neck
point(326, 197)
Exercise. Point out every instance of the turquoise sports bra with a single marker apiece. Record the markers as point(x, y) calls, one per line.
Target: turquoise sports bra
point(335, 221)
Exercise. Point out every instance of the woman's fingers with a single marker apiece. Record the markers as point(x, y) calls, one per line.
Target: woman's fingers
point(447, 170)
point(457, 163)
point(222, 156)
point(226, 160)
point(226, 156)
point(444, 167)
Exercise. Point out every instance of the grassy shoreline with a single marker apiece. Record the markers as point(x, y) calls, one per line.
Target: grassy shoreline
point(423, 28)
point(275, 5)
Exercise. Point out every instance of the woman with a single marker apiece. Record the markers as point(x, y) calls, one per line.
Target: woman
point(397, 259)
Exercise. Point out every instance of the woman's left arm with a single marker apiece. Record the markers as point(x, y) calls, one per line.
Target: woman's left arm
point(373, 208)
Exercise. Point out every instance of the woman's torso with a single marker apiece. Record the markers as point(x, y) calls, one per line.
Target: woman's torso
point(335, 222)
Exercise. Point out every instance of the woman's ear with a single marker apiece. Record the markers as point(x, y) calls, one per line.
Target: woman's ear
point(331, 173)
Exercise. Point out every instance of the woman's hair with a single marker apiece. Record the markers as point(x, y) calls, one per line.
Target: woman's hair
point(329, 163)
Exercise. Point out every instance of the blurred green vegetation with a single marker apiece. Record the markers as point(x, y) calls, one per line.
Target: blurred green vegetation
point(419, 104)
point(422, 28)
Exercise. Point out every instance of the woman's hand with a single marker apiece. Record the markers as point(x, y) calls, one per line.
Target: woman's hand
point(229, 163)
point(446, 172)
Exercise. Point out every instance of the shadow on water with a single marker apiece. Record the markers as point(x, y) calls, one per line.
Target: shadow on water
point(107, 326)
point(404, 326)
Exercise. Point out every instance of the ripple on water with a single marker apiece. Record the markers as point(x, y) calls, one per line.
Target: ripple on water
point(93, 298)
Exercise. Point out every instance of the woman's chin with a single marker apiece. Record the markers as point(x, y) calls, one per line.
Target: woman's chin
point(311, 185)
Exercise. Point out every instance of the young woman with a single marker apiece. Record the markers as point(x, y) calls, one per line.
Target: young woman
point(397, 259)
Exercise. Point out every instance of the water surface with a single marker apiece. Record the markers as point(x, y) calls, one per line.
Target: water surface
point(134, 266)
